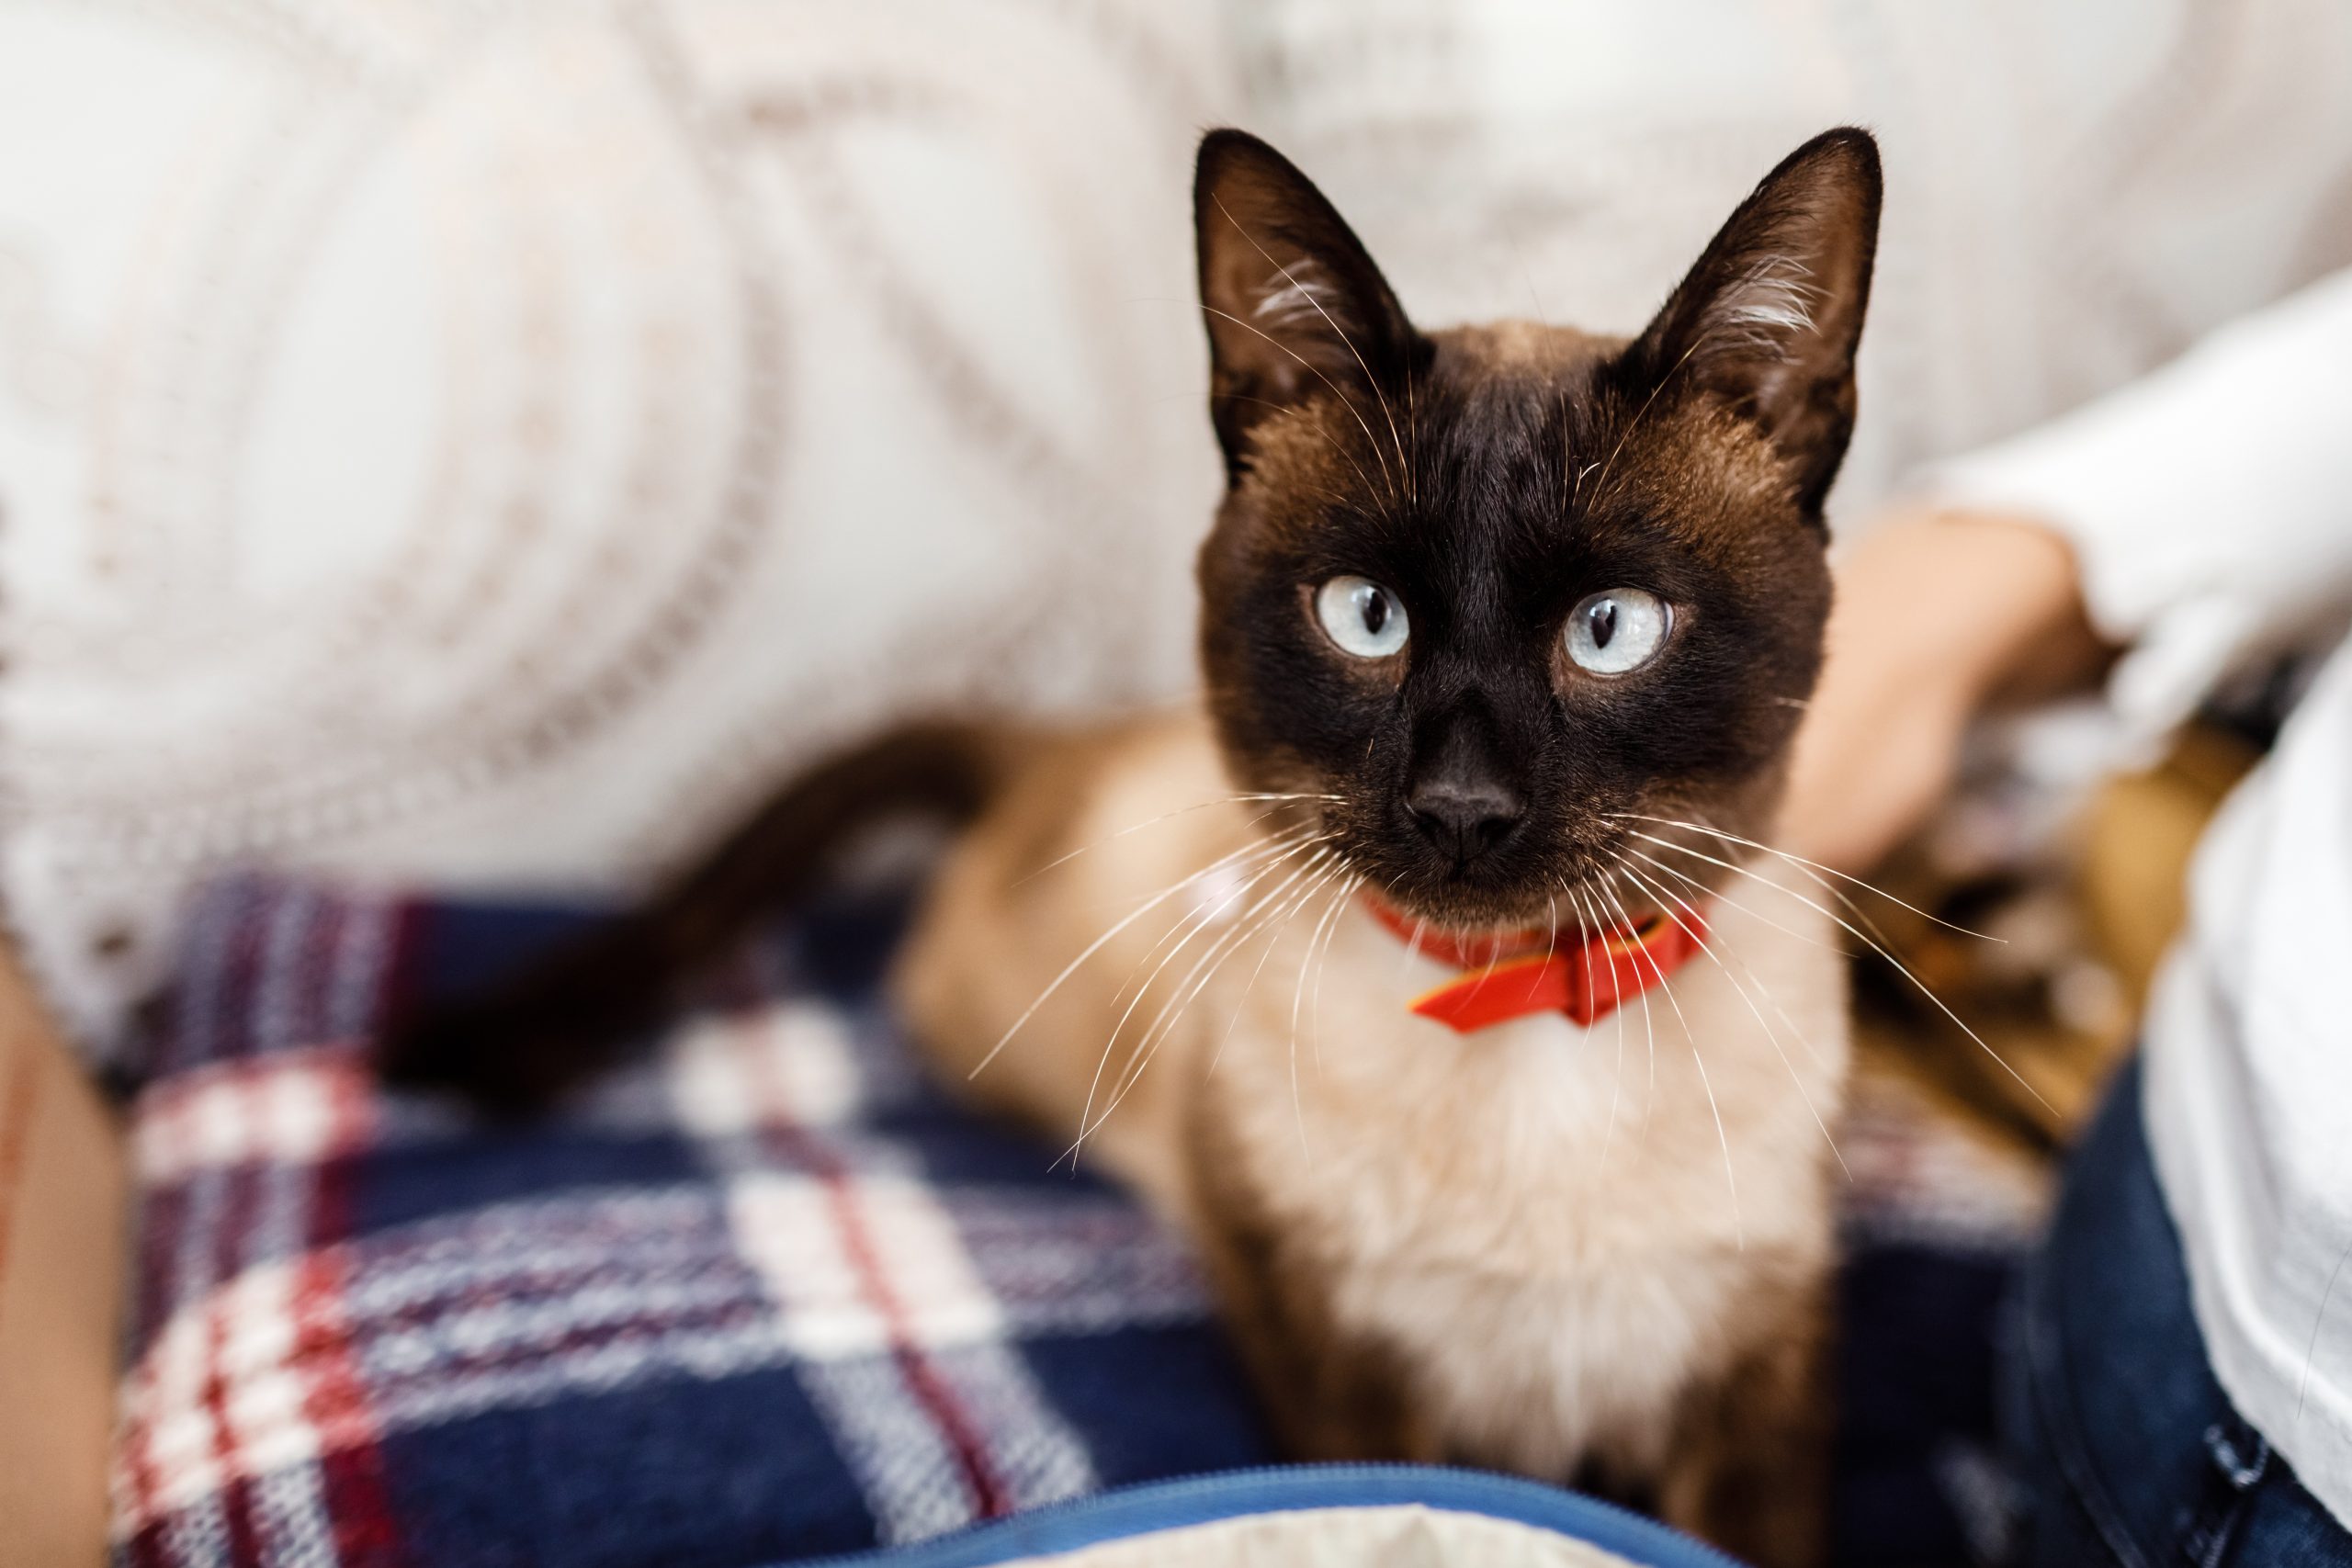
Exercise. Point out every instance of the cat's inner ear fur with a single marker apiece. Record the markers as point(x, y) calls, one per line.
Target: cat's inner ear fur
point(1769, 316)
point(1295, 306)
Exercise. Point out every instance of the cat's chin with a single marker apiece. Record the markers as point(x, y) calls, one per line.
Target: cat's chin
point(1497, 907)
point(1493, 914)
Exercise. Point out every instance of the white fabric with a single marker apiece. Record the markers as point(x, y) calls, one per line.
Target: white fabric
point(492, 440)
point(2074, 192)
point(1394, 1536)
point(2209, 507)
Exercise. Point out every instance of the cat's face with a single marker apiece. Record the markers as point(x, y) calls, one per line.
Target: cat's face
point(1508, 598)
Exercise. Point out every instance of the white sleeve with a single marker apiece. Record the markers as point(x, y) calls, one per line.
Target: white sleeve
point(2208, 506)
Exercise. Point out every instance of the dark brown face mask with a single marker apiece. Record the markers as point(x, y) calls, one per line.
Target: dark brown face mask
point(1509, 594)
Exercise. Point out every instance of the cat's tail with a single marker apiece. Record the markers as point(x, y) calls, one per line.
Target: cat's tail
point(517, 1046)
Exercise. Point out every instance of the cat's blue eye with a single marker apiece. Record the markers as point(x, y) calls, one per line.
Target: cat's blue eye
point(1365, 619)
point(1617, 630)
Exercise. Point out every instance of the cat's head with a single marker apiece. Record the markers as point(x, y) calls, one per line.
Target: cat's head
point(1506, 597)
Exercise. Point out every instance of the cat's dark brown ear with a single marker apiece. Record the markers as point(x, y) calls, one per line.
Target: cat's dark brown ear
point(1771, 316)
point(1293, 303)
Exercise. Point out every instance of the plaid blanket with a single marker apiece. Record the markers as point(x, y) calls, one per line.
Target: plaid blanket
point(765, 1295)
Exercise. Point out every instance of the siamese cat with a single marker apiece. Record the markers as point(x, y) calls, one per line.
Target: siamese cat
point(1431, 973)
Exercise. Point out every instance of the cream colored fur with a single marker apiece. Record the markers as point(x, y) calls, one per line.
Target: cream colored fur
point(1537, 1218)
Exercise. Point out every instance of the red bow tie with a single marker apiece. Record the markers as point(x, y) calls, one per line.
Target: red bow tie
point(1586, 974)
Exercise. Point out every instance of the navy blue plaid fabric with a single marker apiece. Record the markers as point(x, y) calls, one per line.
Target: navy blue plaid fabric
point(766, 1293)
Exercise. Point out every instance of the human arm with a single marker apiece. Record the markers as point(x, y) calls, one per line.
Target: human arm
point(2195, 518)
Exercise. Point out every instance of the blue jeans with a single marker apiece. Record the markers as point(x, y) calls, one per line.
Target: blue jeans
point(2126, 1450)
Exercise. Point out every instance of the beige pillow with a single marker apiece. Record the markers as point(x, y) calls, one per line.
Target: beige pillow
point(485, 443)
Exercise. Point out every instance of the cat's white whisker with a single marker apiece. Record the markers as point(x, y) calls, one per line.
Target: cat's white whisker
point(1815, 868)
point(1721, 897)
point(2311, 1351)
point(1214, 900)
point(1281, 917)
point(1200, 919)
point(1308, 292)
point(1217, 909)
point(1870, 928)
point(1287, 907)
point(1326, 931)
point(1413, 425)
point(1163, 1022)
point(1626, 918)
point(1298, 1106)
point(1169, 815)
point(1314, 1002)
point(1328, 438)
point(1594, 926)
point(1738, 1227)
point(1663, 382)
point(1096, 946)
point(1205, 978)
point(1709, 948)
point(1420, 929)
point(1917, 984)
point(1650, 1037)
point(1729, 902)
point(1345, 401)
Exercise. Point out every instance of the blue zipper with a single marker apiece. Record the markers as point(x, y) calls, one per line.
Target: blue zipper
point(1126, 1513)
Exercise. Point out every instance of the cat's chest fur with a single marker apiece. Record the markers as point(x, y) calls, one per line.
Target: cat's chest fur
point(1550, 1229)
point(1546, 1232)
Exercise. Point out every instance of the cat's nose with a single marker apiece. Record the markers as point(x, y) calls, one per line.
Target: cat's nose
point(1465, 818)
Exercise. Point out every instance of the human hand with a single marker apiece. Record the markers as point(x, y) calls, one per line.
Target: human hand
point(1938, 613)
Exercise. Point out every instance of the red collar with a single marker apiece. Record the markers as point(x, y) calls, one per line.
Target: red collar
point(1586, 974)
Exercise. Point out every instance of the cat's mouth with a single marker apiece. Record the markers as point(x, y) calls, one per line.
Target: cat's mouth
point(1591, 870)
point(1577, 906)
point(1562, 923)
point(1565, 887)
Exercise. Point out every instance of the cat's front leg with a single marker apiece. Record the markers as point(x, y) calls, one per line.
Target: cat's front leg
point(1750, 1469)
point(1328, 1392)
